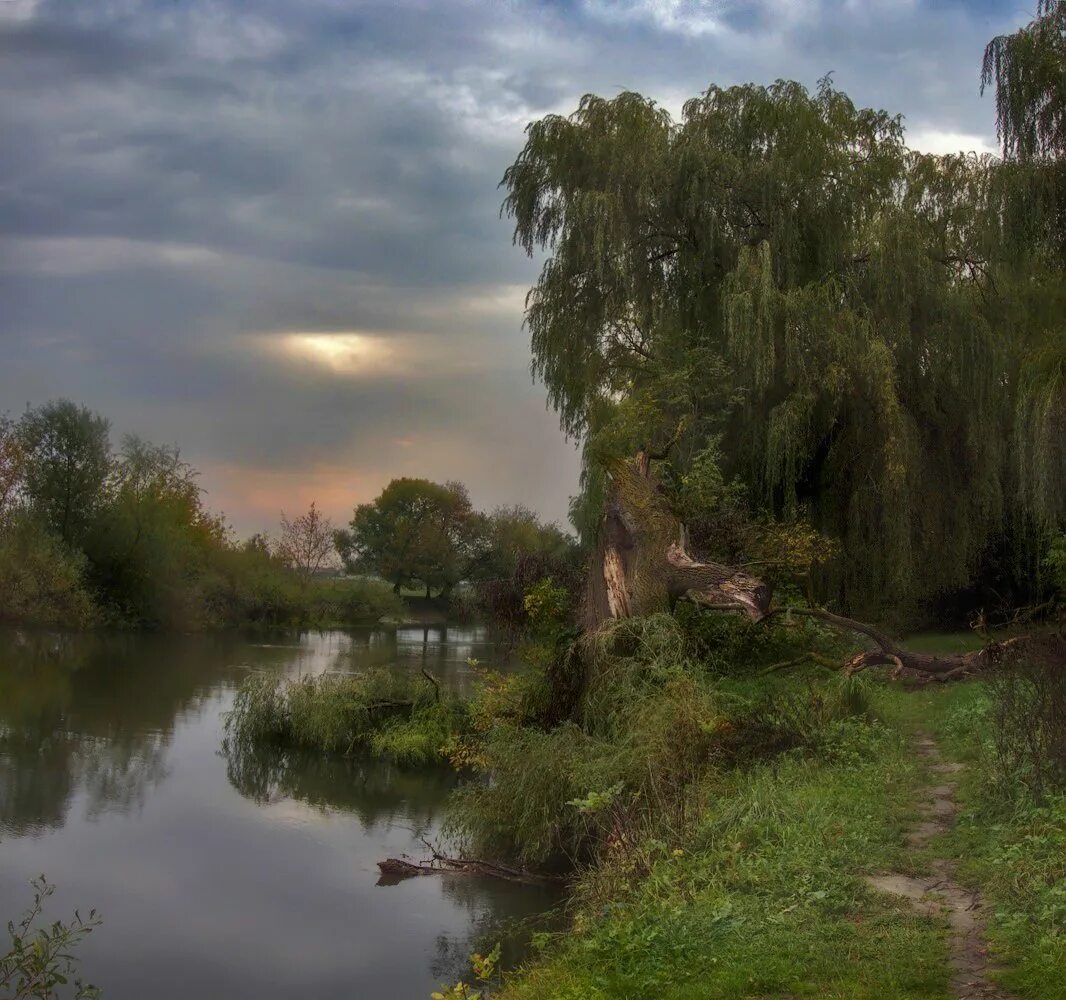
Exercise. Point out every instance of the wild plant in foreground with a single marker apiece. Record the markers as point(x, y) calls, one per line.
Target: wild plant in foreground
point(39, 961)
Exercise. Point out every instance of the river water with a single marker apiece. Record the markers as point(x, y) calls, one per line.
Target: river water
point(229, 878)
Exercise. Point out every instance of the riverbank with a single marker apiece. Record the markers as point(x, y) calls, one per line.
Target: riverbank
point(732, 812)
point(769, 897)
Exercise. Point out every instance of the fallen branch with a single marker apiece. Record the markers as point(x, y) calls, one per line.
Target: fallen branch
point(432, 680)
point(922, 668)
point(395, 870)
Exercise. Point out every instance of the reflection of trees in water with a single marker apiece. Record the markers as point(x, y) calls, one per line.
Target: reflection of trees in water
point(38, 779)
point(95, 713)
point(36, 784)
point(118, 775)
point(375, 792)
point(380, 794)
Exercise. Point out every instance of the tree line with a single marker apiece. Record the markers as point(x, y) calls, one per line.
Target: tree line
point(419, 533)
point(90, 534)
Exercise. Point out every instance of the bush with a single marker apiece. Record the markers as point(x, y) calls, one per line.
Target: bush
point(41, 580)
point(40, 960)
point(730, 645)
point(785, 714)
point(629, 765)
point(358, 601)
point(1028, 717)
point(386, 713)
point(248, 586)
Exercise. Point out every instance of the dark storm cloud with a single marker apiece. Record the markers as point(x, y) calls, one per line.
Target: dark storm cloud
point(184, 184)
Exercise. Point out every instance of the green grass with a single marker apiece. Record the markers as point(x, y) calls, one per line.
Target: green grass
point(943, 642)
point(767, 898)
point(1008, 846)
point(385, 713)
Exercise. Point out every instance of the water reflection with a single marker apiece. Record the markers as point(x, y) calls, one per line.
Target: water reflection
point(376, 792)
point(92, 714)
point(220, 876)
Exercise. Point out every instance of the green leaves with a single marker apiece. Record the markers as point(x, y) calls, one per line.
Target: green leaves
point(851, 322)
point(40, 959)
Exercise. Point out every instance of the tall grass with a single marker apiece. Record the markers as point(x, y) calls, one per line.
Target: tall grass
point(1010, 838)
point(382, 712)
point(632, 766)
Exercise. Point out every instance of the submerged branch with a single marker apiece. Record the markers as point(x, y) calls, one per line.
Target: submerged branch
point(395, 870)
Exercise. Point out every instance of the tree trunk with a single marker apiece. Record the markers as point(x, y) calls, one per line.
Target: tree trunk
point(641, 566)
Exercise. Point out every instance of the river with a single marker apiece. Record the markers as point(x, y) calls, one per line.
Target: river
point(230, 878)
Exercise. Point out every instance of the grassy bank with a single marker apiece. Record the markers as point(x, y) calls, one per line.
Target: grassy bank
point(765, 898)
point(719, 813)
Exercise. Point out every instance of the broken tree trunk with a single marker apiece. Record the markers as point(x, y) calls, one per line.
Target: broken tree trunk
point(641, 565)
point(395, 870)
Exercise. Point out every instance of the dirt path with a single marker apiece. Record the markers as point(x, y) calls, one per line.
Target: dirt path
point(941, 895)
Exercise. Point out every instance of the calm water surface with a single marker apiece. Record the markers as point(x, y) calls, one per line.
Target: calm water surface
point(224, 878)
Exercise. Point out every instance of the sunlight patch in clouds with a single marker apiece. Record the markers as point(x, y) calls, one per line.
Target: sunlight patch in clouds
point(345, 353)
point(355, 355)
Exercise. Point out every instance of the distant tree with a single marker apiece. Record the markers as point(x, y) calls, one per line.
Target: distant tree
point(152, 540)
point(68, 461)
point(415, 531)
point(306, 544)
point(12, 466)
point(515, 532)
point(258, 543)
point(147, 471)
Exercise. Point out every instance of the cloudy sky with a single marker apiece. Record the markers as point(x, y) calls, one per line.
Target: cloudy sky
point(268, 230)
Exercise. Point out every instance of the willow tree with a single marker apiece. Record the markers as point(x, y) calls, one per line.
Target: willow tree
point(1028, 72)
point(778, 281)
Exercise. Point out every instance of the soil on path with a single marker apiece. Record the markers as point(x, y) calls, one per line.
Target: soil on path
point(941, 895)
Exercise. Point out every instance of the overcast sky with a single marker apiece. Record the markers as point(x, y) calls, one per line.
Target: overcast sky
point(268, 230)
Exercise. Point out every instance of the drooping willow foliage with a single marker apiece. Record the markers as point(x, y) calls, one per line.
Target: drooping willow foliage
point(777, 278)
point(1028, 71)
